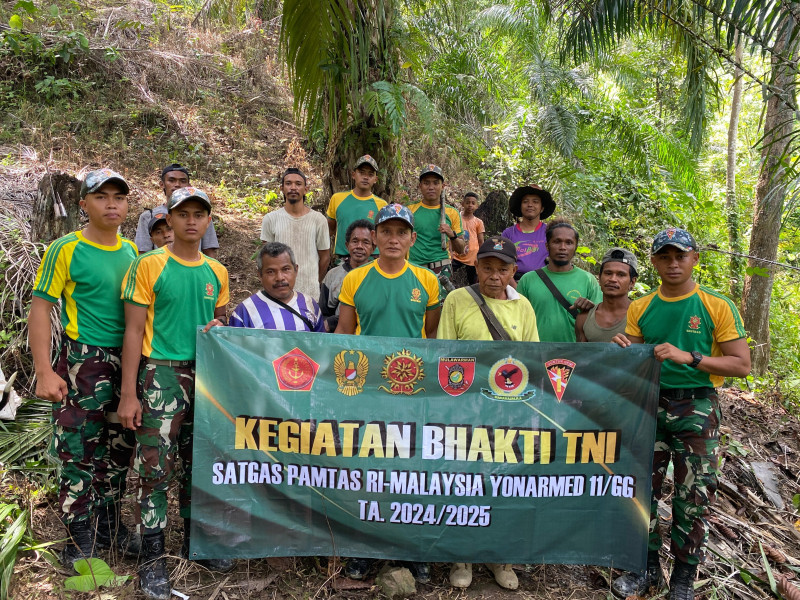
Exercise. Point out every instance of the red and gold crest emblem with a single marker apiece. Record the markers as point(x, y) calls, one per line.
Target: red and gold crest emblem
point(295, 371)
point(403, 370)
point(559, 370)
point(694, 322)
point(415, 295)
point(456, 374)
point(209, 289)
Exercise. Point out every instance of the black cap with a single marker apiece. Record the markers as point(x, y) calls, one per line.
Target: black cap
point(174, 167)
point(498, 247)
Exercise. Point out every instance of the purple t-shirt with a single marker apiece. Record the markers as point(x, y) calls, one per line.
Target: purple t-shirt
point(531, 247)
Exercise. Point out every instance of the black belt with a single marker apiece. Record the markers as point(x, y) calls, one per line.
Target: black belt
point(681, 393)
point(169, 363)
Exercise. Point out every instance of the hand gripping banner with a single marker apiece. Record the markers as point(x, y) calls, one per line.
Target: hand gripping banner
point(424, 450)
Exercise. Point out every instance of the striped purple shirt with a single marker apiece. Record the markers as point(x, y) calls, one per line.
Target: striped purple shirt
point(259, 312)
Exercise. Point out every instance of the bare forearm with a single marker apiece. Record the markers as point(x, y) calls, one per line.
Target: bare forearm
point(39, 334)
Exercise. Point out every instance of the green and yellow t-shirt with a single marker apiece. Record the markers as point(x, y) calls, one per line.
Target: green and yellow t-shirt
point(390, 305)
point(700, 321)
point(179, 296)
point(87, 276)
point(346, 207)
point(428, 247)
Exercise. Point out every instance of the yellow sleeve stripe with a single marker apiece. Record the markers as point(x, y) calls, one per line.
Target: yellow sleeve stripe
point(428, 281)
point(48, 267)
point(635, 312)
point(455, 219)
point(336, 200)
point(352, 281)
point(717, 304)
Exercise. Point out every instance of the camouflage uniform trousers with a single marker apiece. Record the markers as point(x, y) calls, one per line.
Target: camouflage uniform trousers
point(687, 432)
point(94, 449)
point(167, 395)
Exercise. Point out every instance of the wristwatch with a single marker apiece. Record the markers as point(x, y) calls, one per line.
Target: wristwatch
point(452, 238)
point(696, 358)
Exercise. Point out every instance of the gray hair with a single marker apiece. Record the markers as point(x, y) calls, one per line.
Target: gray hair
point(273, 250)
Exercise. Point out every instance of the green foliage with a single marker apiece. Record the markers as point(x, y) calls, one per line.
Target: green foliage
point(94, 573)
point(13, 527)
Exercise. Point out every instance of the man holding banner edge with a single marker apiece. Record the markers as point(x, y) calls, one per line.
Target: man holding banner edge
point(700, 339)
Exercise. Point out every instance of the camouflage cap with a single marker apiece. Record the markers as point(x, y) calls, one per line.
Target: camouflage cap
point(367, 160)
point(431, 169)
point(623, 256)
point(159, 214)
point(94, 180)
point(182, 195)
point(394, 211)
point(672, 236)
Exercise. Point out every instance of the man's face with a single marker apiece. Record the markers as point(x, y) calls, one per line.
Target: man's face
point(161, 234)
point(562, 246)
point(365, 177)
point(189, 221)
point(616, 280)
point(494, 275)
point(360, 246)
point(107, 207)
point(469, 204)
point(278, 275)
point(394, 238)
point(430, 187)
point(531, 206)
point(294, 188)
point(674, 265)
point(174, 180)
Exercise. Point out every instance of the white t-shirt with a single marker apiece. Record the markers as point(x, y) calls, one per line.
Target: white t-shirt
point(305, 235)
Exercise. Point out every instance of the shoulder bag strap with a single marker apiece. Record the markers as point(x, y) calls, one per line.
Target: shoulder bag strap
point(556, 294)
point(497, 331)
point(303, 318)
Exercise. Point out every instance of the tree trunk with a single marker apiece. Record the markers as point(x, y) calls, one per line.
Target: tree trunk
point(736, 264)
point(770, 195)
point(493, 211)
point(56, 210)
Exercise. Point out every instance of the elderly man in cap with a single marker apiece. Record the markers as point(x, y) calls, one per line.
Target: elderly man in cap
point(84, 270)
point(699, 339)
point(618, 272)
point(429, 251)
point(530, 204)
point(173, 177)
point(489, 310)
point(359, 203)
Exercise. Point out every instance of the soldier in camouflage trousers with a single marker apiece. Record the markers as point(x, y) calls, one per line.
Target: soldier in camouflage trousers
point(167, 293)
point(94, 449)
point(84, 270)
point(699, 338)
point(167, 413)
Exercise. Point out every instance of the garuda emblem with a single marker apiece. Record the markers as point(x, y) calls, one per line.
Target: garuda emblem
point(350, 367)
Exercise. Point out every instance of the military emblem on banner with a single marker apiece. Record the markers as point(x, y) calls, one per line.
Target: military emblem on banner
point(295, 371)
point(456, 374)
point(350, 367)
point(559, 370)
point(403, 370)
point(508, 380)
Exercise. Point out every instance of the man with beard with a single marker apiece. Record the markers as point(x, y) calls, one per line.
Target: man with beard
point(302, 229)
point(607, 319)
point(559, 290)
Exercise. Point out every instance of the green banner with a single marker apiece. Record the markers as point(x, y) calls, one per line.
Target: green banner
point(425, 450)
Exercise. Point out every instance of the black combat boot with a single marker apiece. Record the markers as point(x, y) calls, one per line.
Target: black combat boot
point(681, 584)
point(112, 533)
point(81, 544)
point(633, 584)
point(153, 574)
point(222, 565)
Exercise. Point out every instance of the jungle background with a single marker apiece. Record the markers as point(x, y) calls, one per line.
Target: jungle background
point(637, 114)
